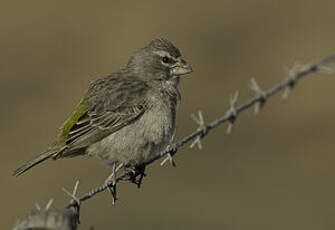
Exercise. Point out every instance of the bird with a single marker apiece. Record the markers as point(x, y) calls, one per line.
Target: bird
point(125, 117)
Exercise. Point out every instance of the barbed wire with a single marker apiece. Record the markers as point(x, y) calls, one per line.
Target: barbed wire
point(67, 219)
point(230, 116)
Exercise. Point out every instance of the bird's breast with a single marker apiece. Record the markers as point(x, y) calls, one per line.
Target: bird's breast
point(159, 121)
point(144, 138)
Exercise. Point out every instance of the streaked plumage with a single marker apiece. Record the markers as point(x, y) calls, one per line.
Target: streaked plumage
point(127, 116)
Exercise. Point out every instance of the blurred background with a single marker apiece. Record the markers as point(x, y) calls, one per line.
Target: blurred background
point(275, 171)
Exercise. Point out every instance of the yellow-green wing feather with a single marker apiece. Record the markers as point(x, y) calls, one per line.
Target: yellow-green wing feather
point(79, 111)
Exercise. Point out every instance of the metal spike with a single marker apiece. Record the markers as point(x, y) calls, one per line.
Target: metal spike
point(47, 207)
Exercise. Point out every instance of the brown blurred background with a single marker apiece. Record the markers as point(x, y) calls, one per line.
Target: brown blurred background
point(276, 170)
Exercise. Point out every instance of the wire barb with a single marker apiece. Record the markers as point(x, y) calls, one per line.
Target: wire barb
point(48, 205)
point(201, 122)
point(232, 111)
point(72, 196)
point(169, 158)
point(75, 200)
point(110, 182)
point(259, 93)
point(292, 78)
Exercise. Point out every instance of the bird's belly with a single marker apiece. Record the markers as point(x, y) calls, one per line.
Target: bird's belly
point(139, 141)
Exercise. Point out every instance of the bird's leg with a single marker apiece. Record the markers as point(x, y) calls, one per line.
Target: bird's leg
point(111, 181)
point(139, 170)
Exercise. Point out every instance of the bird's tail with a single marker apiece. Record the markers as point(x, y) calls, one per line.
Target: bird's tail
point(40, 158)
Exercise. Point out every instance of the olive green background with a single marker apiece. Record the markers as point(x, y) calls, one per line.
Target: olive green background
point(275, 171)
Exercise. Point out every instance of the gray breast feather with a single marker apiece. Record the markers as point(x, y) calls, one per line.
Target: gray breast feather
point(140, 140)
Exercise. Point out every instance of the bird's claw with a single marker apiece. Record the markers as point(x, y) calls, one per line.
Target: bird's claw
point(139, 171)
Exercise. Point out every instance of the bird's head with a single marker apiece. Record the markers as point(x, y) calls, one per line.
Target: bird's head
point(159, 60)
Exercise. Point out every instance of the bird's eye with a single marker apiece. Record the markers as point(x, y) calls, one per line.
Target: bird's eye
point(165, 59)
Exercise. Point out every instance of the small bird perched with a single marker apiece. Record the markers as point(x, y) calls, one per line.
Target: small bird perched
point(128, 116)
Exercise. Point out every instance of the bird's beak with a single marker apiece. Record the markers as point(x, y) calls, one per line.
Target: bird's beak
point(181, 68)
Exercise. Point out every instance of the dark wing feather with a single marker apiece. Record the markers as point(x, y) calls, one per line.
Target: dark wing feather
point(111, 103)
point(102, 126)
point(114, 104)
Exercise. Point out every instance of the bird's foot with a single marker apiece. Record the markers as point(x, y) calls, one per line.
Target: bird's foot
point(137, 175)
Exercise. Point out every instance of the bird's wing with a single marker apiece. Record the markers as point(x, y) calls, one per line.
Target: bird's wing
point(104, 112)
